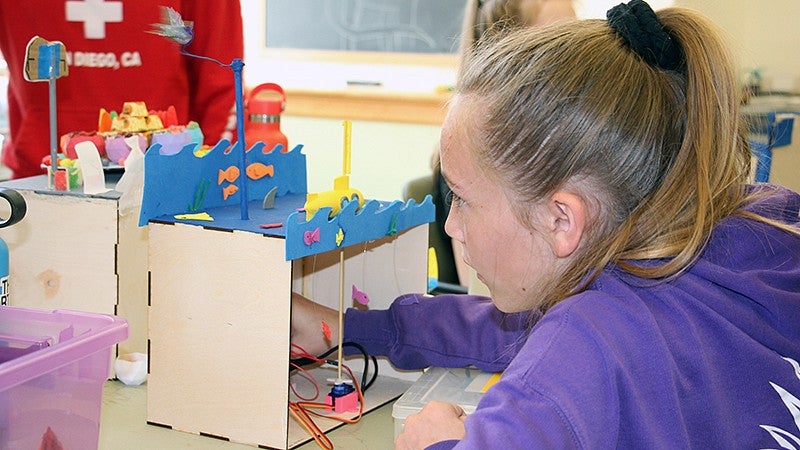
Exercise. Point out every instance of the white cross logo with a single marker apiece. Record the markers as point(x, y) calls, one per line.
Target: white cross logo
point(94, 14)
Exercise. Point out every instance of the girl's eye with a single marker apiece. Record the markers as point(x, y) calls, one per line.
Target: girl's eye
point(451, 198)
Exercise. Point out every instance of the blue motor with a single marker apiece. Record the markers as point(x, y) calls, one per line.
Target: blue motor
point(18, 208)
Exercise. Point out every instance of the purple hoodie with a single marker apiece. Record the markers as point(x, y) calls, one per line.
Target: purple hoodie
point(709, 359)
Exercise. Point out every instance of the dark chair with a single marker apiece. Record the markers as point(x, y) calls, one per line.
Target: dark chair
point(448, 281)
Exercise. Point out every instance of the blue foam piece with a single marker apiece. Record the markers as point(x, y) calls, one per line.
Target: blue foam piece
point(173, 184)
point(374, 221)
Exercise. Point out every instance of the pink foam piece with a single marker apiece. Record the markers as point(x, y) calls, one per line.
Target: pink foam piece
point(171, 142)
point(68, 142)
point(117, 150)
point(345, 403)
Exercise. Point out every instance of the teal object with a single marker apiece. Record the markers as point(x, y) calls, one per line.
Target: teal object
point(18, 208)
point(49, 61)
point(777, 132)
point(3, 272)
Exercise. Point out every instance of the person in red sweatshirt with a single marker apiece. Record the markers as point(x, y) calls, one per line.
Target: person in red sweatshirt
point(114, 58)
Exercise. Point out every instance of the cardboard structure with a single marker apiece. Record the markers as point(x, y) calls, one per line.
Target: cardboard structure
point(79, 252)
point(220, 287)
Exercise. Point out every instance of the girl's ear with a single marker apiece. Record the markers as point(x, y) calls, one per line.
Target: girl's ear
point(567, 219)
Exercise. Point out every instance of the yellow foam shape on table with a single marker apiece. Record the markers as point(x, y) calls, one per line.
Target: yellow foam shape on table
point(195, 216)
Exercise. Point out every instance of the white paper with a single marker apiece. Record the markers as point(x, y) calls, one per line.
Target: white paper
point(134, 166)
point(94, 180)
point(131, 368)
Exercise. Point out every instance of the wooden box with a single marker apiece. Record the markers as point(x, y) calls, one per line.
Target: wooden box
point(79, 252)
point(220, 311)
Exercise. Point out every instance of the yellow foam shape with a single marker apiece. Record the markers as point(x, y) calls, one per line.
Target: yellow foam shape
point(196, 216)
point(492, 380)
point(433, 264)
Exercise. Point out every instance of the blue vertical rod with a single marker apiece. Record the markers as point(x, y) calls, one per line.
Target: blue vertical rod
point(237, 64)
point(53, 138)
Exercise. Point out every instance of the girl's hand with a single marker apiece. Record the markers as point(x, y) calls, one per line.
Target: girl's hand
point(438, 421)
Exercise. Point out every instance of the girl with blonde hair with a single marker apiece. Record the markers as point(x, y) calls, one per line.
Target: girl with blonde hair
point(600, 171)
point(485, 20)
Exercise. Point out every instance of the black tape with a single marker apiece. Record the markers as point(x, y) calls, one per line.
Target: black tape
point(17, 204)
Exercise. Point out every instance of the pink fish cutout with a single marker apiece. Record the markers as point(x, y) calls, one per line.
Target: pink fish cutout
point(359, 296)
point(309, 237)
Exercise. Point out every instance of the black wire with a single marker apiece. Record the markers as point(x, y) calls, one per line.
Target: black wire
point(364, 383)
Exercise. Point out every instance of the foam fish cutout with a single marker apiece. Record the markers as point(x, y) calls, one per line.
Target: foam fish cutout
point(326, 330)
point(269, 199)
point(360, 296)
point(229, 190)
point(339, 237)
point(257, 170)
point(195, 216)
point(230, 175)
point(309, 237)
point(408, 300)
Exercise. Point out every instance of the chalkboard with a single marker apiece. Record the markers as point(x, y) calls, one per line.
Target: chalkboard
point(405, 26)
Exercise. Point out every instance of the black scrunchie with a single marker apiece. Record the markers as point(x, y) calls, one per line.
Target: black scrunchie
point(639, 27)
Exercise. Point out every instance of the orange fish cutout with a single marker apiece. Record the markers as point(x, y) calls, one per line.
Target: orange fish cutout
point(230, 175)
point(326, 330)
point(229, 190)
point(257, 171)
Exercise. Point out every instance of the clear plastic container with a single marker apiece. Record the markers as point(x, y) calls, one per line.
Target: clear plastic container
point(52, 368)
point(464, 387)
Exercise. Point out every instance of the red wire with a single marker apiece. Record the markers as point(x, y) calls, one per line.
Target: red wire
point(301, 410)
point(308, 423)
point(307, 375)
point(302, 353)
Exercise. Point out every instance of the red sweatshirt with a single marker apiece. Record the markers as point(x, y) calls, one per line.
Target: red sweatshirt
point(113, 59)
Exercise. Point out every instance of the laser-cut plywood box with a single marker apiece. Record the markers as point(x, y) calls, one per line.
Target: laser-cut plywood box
point(220, 291)
point(79, 252)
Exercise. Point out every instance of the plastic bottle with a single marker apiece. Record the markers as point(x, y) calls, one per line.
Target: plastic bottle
point(18, 209)
point(263, 117)
point(754, 82)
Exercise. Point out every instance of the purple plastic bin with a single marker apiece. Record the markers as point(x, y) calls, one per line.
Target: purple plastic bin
point(52, 368)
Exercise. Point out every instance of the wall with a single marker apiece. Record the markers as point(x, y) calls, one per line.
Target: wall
point(386, 154)
point(763, 35)
point(331, 70)
point(785, 168)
